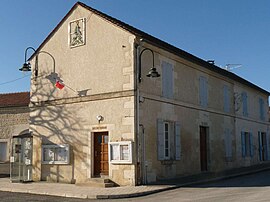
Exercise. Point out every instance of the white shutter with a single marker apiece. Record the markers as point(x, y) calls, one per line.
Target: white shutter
point(160, 138)
point(245, 104)
point(177, 141)
point(167, 80)
point(203, 91)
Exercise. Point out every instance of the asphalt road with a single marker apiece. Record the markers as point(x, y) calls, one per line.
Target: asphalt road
point(248, 188)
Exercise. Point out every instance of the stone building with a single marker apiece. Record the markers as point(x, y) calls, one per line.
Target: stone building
point(14, 121)
point(96, 112)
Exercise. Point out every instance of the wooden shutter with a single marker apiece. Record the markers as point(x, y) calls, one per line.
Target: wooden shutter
point(261, 104)
point(251, 145)
point(267, 145)
point(177, 141)
point(260, 145)
point(226, 99)
point(243, 141)
point(203, 91)
point(160, 138)
point(167, 80)
point(245, 104)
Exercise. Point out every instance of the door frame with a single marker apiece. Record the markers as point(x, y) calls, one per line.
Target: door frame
point(92, 156)
point(206, 168)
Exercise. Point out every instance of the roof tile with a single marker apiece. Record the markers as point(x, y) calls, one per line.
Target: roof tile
point(15, 99)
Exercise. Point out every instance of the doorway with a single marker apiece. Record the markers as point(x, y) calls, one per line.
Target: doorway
point(262, 146)
point(203, 148)
point(101, 163)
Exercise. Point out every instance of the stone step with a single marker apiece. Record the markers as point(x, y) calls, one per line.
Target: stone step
point(97, 182)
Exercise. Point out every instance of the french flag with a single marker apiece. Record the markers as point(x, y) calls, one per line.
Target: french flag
point(59, 85)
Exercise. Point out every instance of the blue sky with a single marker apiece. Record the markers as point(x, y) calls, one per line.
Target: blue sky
point(227, 31)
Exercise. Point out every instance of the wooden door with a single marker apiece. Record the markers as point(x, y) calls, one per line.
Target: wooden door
point(203, 148)
point(101, 164)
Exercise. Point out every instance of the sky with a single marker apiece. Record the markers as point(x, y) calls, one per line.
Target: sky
point(227, 31)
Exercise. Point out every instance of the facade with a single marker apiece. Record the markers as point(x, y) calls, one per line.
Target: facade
point(14, 121)
point(110, 120)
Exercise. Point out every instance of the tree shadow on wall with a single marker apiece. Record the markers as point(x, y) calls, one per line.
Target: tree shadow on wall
point(54, 122)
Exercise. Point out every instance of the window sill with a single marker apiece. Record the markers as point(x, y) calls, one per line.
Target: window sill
point(167, 162)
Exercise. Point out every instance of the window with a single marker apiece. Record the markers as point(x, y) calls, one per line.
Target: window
point(261, 106)
point(120, 152)
point(245, 104)
point(166, 140)
point(247, 144)
point(55, 154)
point(3, 151)
point(167, 80)
point(226, 99)
point(169, 145)
point(77, 33)
point(203, 91)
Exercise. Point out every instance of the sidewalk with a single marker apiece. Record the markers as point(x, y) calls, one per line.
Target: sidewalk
point(71, 190)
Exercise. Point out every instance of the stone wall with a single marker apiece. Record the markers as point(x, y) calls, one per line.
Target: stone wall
point(13, 120)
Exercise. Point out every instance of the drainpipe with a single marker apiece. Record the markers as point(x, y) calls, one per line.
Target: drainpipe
point(140, 138)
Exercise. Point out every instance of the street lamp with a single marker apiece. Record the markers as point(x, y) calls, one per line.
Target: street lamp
point(153, 71)
point(27, 66)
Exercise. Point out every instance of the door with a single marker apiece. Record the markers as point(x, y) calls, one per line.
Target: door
point(262, 146)
point(203, 148)
point(101, 164)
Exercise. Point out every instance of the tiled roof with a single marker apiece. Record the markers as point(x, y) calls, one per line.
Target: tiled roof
point(14, 99)
point(156, 42)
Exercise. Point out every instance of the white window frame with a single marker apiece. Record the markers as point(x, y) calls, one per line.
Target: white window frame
point(53, 147)
point(166, 157)
point(115, 150)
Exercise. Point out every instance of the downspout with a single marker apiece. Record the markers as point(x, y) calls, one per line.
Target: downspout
point(140, 138)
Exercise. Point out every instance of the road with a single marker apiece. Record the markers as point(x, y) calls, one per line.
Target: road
point(248, 188)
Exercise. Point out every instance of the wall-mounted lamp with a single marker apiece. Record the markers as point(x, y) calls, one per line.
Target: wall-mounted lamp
point(27, 66)
point(100, 118)
point(153, 71)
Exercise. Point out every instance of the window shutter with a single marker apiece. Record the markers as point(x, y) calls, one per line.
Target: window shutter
point(160, 143)
point(203, 91)
point(243, 141)
point(167, 80)
point(260, 145)
point(245, 104)
point(177, 141)
point(261, 103)
point(267, 145)
point(226, 98)
point(251, 145)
